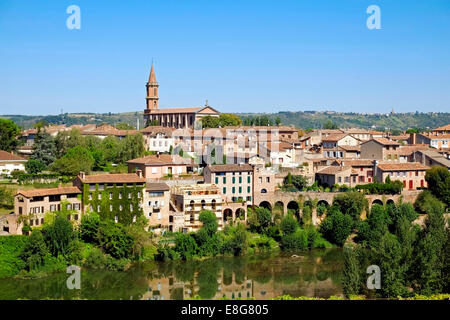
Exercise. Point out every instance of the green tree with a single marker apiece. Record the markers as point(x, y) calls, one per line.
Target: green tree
point(352, 203)
point(34, 166)
point(44, 149)
point(337, 226)
point(352, 272)
point(288, 224)
point(114, 239)
point(75, 160)
point(35, 251)
point(9, 134)
point(330, 125)
point(59, 235)
point(259, 219)
point(90, 223)
point(131, 147)
point(438, 179)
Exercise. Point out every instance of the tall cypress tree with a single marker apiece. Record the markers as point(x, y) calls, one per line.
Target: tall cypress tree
point(44, 148)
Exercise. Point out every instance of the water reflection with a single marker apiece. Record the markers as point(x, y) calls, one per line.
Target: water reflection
point(316, 273)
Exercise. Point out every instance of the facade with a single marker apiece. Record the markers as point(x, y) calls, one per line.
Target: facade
point(158, 139)
point(411, 174)
point(437, 141)
point(30, 206)
point(10, 162)
point(156, 206)
point(173, 117)
point(192, 199)
point(278, 153)
point(332, 175)
point(362, 170)
point(380, 149)
point(161, 165)
point(431, 158)
point(113, 196)
point(235, 181)
point(336, 140)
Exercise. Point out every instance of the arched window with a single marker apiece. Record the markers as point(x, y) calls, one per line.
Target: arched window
point(263, 191)
point(191, 205)
point(213, 204)
point(203, 204)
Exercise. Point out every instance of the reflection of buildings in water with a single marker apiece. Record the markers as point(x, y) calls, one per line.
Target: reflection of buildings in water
point(169, 289)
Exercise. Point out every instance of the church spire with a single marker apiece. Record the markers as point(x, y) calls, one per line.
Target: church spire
point(152, 77)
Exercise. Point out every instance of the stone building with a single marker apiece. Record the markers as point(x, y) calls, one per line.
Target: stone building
point(381, 149)
point(156, 206)
point(30, 206)
point(10, 162)
point(411, 174)
point(160, 165)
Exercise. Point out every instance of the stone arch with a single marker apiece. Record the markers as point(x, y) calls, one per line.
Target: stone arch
point(390, 202)
point(377, 201)
point(323, 202)
point(227, 215)
point(266, 204)
point(293, 206)
point(240, 213)
point(278, 208)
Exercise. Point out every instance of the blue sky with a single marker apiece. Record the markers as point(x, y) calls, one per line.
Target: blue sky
point(243, 56)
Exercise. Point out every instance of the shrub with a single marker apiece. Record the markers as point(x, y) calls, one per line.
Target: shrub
point(295, 241)
point(288, 224)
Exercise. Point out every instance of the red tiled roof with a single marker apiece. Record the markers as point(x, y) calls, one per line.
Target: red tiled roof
point(402, 166)
point(157, 186)
point(331, 170)
point(48, 192)
point(8, 156)
point(113, 178)
point(162, 159)
point(230, 167)
point(384, 141)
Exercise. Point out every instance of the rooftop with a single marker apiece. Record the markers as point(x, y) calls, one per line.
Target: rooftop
point(230, 167)
point(112, 178)
point(8, 156)
point(162, 159)
point(48, 192)
point(402, 166)
point(157, 186)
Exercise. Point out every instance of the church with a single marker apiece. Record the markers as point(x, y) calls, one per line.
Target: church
point(178, 118)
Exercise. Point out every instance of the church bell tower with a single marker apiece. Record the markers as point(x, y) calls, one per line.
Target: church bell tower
point(152, 91)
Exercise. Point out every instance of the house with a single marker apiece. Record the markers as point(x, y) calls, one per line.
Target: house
point(30, 206)
point(442, 130)
point(380, 149)
point(161, 165)
point(362, 170)
point(332, 175)
point(411, 174)
point(437, 141)
point(10, 162)
point(156, 206)
point(235, 181)
point(278, 153)
point(158, 139)
point(339, 139)
point(431, 158)
point(113, 196)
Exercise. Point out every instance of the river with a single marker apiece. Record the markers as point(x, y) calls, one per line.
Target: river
point(316, 273)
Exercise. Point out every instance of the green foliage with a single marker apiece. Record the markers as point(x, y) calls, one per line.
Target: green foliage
point(330, 125)
point(11, 248)
point(34, 166)
point(224, 119)
point(376, 225)
point(259, 219)
point(59, 235)
point(288, 224)
point(209, 220)
point(351, 203)
point(44, 148)
point(75, 160)
point(438, 179)
point(389, 187)
point(6, 197)
point(9, 132)
point(299, 182)
point(35, 251)
point(295, 241)
point(186, 245)
point(114, 240)
point(90, 223)
point(352, 272)
point(337, 226)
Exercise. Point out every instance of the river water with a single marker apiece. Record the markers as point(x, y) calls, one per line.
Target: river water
point(316, 273)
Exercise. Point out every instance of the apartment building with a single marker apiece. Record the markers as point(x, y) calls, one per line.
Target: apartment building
point(161, 165)
point(411, 174)
point(30, 206)
point(10, 162)
point(380, 149)
point(113, 196)
point(156, 206)
point(235, 181)
point(158, 139)
point(192, 199)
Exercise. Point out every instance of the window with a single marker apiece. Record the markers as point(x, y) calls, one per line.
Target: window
point(110, 196)
point(224, 180)
point(110, 207)
point(248, 179)
point(120, 195)
point(153, 170)
point(240, 189)
point(248, 189)
point(99, 196)
point(234, 179)
point(98, 208)
point(233, 190)
point(90, 196)
point(217, 180)
point(120, 207)
point(224, 191)
point(240, 179)
point(267, 179)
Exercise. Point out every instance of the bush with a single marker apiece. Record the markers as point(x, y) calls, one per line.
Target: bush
point(288, 224)
point(34, 166)
point(114, 240)
point(336, 227)
point(295, 241)
point(11, 248)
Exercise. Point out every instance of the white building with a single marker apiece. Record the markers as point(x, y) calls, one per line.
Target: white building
point(10, 162)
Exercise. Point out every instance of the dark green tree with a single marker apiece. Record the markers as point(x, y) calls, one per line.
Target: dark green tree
point(44, 149)
point(9, 134)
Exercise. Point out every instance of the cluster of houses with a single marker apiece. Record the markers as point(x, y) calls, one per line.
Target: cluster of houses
point(225, 170)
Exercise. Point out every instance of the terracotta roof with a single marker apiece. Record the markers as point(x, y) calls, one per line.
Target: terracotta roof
point(356, 131)
point(334, 169)
point(154, 130)
point(152, 77)
point(48, 192)
point(257, 128)
point(334, 137)
point(157, 186)
point(409, 149)
point(351, 148)
point(374, 132)
point(440, 136)
point(331, 131)
point(113, 178)
point(384, 141)
point(279, 146)
point(354, 162)
point(400, 137)
point(402, 166)
point(443, 128)
point(8, 156)
point(162, 159)
point(230, 167)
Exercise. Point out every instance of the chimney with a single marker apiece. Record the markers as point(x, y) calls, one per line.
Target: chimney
point(157, 154)
point(82, 175)
point(139, 173)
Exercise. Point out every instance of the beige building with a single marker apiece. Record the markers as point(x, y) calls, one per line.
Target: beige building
point(235, 181)
point(30, 206)
point(332, 175)
point(162, 165)
point(411, 174)
point(380, 149)
point(192, 199)
point(156, 206)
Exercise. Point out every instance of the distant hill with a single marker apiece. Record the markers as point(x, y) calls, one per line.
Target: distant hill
point(300, 119)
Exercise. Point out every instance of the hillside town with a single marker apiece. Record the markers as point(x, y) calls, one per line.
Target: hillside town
point(187, 168)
